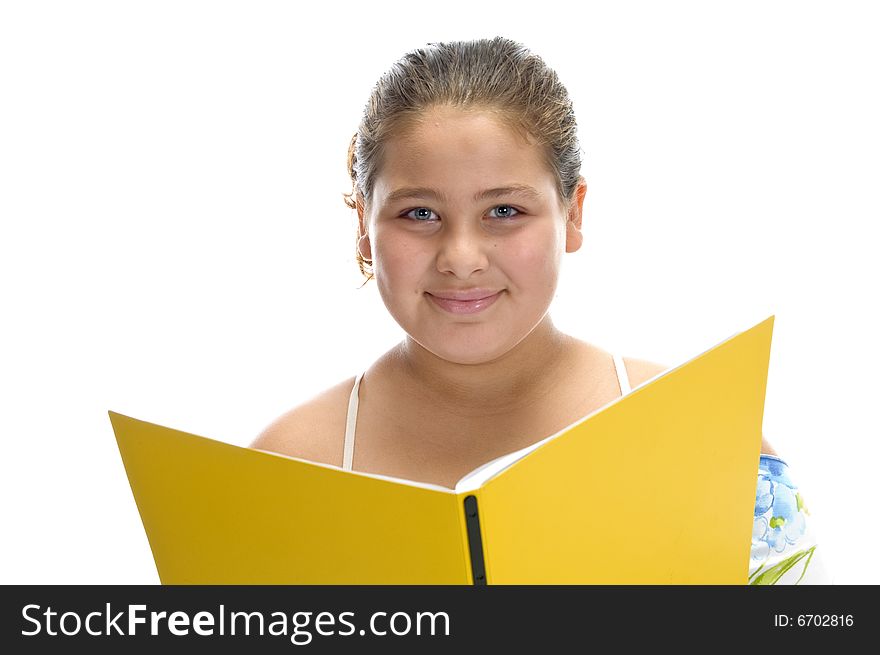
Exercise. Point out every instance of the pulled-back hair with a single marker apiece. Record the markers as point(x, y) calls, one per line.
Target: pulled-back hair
point(497, 75)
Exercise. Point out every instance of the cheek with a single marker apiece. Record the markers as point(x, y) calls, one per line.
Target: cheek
point(397, 258)
point(534, 260)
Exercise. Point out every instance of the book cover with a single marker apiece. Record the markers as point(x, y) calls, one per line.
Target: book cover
point(656, 487)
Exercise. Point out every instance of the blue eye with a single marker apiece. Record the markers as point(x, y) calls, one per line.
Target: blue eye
point(420, 210)
point(507, 213)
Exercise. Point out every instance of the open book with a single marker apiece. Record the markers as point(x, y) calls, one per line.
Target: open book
point(656, 487)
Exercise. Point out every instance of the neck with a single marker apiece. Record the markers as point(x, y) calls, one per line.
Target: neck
point(521, 377)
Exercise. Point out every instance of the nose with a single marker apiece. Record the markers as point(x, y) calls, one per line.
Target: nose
point(463, 250)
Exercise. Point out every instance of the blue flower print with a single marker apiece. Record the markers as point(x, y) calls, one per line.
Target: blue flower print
point(779, 510)
point(764, 496)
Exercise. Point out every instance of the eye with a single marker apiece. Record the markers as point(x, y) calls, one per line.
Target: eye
point(505, 211)
point(421, 214)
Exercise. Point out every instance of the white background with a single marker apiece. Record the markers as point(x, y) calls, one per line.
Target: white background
point(175, 247)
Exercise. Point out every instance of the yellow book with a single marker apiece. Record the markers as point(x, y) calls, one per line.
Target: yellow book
point(656, 487)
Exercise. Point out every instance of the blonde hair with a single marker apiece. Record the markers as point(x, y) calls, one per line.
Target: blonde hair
point(498, 75)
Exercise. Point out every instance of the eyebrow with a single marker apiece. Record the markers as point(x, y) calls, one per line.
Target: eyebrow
point(427, 192)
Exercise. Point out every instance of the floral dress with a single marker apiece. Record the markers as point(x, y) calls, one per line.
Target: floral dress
point(784, 550)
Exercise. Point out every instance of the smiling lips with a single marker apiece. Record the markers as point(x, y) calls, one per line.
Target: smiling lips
point(469, 301)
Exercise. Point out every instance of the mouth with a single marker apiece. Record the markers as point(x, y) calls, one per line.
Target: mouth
point(465, 302)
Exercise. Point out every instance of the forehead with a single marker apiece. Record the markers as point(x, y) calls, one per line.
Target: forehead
point(460, 153)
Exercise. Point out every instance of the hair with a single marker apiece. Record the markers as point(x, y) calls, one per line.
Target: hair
point(497, 75)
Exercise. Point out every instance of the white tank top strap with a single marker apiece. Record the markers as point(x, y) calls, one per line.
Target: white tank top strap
point(622, 377)
point(350, 422)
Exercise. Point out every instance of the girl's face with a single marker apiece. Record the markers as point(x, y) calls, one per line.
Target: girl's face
point(466, 234)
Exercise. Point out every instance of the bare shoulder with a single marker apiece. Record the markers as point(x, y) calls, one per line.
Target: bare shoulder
point(313, 430)
point(642, 370)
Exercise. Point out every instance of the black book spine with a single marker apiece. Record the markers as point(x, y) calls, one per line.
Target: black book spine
point(475, 541)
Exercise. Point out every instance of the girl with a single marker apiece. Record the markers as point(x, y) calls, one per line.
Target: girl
point(466, 182)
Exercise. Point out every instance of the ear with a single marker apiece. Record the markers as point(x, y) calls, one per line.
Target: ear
point(363, 244)
point(574, 237)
